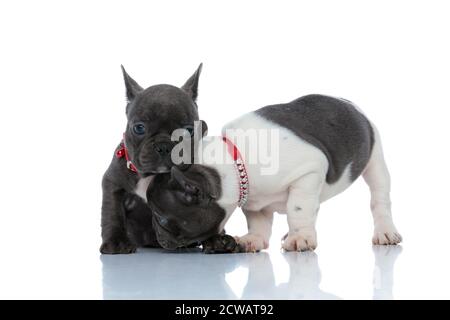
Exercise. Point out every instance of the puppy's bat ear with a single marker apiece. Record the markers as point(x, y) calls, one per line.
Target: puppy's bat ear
point(191, 190)
point(178, 175)
point(210, 187)
point(191, 85)
point(132, 87)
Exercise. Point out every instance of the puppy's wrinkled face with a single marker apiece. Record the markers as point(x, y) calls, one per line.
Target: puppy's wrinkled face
point(184, 206)
point(153, 114)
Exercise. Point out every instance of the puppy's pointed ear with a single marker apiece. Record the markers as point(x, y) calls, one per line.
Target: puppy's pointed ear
point(208, 185)
point(214, 187)
point(191, 85)
point(178, 176)
point(191, 190)
point(132, 87)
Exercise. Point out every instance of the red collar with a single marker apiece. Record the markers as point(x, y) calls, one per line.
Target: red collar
point(232, 149)
point(123, 152)
point(241, 171)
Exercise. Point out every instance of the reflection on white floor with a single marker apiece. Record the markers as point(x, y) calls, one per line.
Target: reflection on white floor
point(383, 273)
point(158, 274)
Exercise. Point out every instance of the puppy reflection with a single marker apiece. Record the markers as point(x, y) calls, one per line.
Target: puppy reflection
point(383, 274)
point(159, 274)
point(189, 274)
point(304, 278)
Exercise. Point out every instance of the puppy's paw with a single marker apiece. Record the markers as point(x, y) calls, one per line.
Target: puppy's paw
point(221, 243)
point(117, 247)
point(384, 237)
point(304, 240)
point(385, 234)
point(252, 243)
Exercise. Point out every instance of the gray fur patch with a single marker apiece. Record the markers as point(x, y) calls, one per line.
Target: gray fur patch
point(333, 125)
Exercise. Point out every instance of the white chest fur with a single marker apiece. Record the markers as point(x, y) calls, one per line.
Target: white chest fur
point(141, 187)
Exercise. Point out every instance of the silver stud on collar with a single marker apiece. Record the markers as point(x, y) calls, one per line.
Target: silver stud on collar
point(243, 182)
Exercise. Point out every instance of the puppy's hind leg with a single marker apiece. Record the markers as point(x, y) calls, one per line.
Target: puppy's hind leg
point(377, 177)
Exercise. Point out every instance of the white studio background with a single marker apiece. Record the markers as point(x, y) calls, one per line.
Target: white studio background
point(63, 112)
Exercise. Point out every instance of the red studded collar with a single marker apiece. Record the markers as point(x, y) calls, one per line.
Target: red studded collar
point(241, 171)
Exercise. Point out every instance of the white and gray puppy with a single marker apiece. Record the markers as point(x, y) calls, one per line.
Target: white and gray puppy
point(323, 144)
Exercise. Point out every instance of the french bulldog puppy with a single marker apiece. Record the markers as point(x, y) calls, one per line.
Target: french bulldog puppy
point(323, 144)
point(152, 114)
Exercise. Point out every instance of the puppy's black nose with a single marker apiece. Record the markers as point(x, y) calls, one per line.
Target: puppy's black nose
point(163, 148)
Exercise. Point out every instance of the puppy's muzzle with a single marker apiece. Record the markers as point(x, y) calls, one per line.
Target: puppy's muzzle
point(163, 148)
point(155, 155)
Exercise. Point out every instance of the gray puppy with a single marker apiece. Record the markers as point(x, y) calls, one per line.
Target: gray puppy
point(153, 114)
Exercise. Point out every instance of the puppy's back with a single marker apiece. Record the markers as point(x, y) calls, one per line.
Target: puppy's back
point(333, 125)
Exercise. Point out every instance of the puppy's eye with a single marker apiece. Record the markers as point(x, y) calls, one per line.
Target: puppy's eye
point(191, 189)
point(139, 129)
point(191, 194)
point(190, 129)
point(190, 198)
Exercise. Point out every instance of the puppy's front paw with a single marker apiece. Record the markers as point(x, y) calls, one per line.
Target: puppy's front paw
point(252, 243)
point(221, 243)
point(385, 234)
point(117, 247)
point(386, 237)
point(305, 240)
